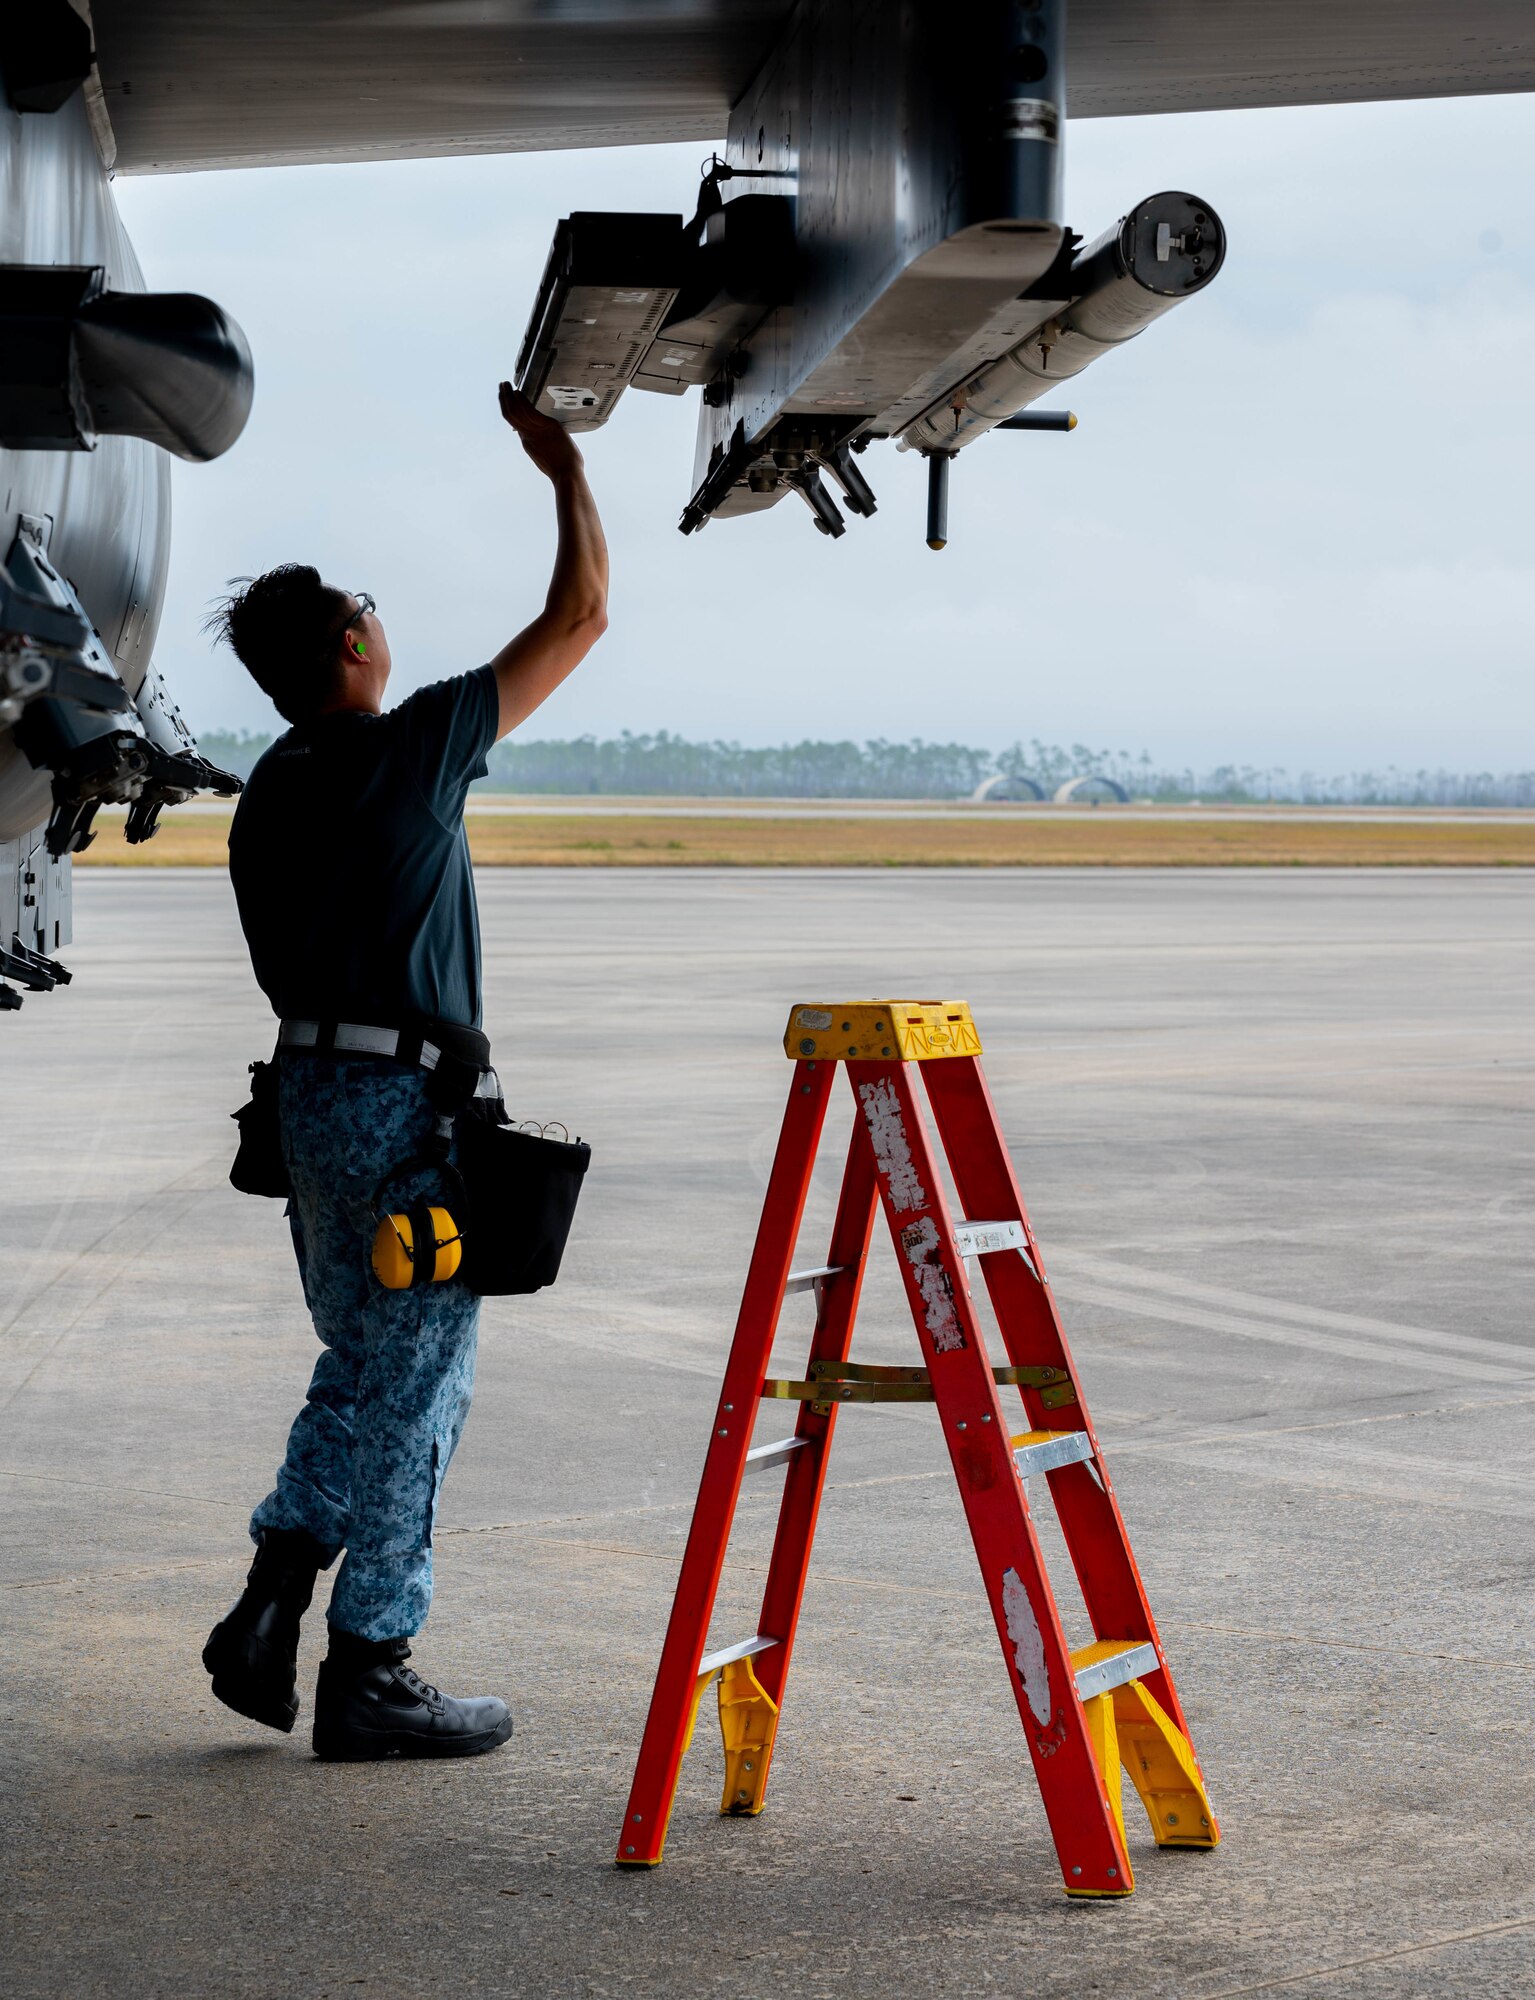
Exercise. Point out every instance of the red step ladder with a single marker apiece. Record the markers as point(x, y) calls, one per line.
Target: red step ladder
point(1083, 1712)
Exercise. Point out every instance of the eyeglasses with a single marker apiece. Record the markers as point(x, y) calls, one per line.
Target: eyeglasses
point(365, 604)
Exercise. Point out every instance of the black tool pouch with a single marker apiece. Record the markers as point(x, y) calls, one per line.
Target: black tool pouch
point(523, 1191)
point(259, 1167)
point(518, 1190)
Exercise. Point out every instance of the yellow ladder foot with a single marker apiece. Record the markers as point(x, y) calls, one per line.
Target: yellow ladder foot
point(1128, 1725)
point(748, 1720)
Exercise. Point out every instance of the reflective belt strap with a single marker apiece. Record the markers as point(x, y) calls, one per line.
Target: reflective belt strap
point(355, 1038)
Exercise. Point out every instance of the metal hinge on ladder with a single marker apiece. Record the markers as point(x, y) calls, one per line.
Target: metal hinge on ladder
point(834, 1382)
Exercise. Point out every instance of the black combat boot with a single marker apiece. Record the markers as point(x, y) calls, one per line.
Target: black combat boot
point(370, 1705)
point(253, 1653)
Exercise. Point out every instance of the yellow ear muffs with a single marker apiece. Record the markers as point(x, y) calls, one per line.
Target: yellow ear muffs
point(395, 1261)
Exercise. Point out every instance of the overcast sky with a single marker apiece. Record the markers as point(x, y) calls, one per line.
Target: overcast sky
point(1293, 527)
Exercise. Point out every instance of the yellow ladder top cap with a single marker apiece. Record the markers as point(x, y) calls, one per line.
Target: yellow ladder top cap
point(881, 1031)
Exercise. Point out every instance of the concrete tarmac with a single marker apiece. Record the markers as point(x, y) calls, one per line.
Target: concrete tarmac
point(1274, 1130)
point(586, 806)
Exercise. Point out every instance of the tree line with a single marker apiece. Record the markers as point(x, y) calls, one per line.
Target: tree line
point(666, 765)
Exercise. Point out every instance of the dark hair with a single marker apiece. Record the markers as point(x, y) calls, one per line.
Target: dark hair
point(284, 627)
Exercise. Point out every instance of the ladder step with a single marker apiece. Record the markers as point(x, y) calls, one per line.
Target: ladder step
point(763, 1456)
point(980, 1239)
point(743, 1649)
point(804, 1281)
point(971, 1239)
point(1047, 1451)
point(1110, 1663)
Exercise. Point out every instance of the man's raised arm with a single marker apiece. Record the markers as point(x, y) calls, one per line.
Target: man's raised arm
point(575, 613)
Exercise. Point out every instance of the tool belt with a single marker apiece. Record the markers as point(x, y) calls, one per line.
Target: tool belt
point(510, 1198)
point(429, 1044)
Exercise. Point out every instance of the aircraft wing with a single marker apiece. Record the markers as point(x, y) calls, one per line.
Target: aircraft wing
point(198, 83)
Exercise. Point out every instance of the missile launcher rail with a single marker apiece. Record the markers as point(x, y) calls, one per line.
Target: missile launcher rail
point(644, 301)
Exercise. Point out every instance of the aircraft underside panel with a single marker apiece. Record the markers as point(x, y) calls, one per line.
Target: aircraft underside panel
point(922, 206)
point(201, 83)
point(99, 380)
point(56, 209)
point(880, 254)
point(35, 891)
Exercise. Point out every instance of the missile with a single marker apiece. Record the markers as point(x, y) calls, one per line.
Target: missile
point(1166, 249)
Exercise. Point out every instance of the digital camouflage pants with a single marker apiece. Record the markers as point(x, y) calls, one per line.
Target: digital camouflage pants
point(386, 1406)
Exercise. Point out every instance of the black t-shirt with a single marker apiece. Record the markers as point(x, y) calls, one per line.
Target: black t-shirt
point(350, 863)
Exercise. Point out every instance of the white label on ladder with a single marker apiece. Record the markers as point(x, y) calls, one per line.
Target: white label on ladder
point(919, 1241)
point(882, 1112)
point(1028, 1644)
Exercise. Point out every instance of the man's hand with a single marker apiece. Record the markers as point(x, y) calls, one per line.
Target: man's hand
point(550, 446)
point(575, 613)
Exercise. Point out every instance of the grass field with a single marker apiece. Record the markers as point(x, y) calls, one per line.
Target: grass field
point(1098, 839)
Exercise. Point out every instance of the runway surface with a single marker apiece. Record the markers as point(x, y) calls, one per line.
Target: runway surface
point(1274, 1130)
point(590, 807)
